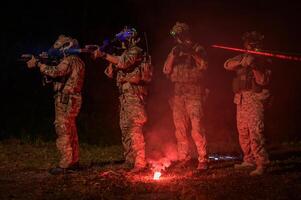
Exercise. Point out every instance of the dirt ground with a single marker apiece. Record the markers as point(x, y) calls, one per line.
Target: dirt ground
point(24, 175)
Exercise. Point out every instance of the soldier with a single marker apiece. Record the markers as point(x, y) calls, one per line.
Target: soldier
point(68, 77)
point(185, 67)
point(251, 93)
point(130, 73)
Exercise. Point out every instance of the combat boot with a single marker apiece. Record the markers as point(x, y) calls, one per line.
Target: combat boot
point(60, 170)
point(126, 166)
point(74, 167)
point(57, 171)
point(260, 170)
point(202, 166)
point(183, 164)
point(139, 168)
point(244, 165)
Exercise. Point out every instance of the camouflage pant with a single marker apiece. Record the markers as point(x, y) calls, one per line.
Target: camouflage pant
point(67, 139)
point(250, 125)
point(132, 119)
point(188, 110)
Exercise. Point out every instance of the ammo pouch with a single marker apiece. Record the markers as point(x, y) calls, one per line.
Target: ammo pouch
point(245, 81)
point(65, 98)
point(241, 83)
point(132, 77)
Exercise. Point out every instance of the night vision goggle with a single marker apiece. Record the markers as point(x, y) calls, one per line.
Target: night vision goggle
point(175, 34)
point(126, 34)
point(172, 33)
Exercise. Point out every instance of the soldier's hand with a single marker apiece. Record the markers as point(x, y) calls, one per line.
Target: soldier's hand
point(176, 51)
point(32, 62)
point(247, 60)
point(98, 54)
point(44, 55)
point(110, 68)
point(122, 79)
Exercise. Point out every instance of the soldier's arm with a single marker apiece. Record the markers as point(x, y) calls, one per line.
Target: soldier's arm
point(199, 55)
point(128, 58)
point(261, 71)
point(167, 69)
point(124, 61)
point(109, 71)
point(62, 69)
point(233, 63)
point(259, 77)
point(111, 58)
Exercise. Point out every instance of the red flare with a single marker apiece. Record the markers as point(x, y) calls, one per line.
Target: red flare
point(281, 56)
point(157, 175)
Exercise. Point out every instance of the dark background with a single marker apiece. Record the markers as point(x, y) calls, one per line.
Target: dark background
point(30, 27)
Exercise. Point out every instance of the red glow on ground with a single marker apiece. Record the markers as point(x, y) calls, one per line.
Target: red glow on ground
point(281, 56)
point(157, 175)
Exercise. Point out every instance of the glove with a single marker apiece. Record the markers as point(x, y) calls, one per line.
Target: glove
point(247, 60)
point(32, 62)
point(98, 54)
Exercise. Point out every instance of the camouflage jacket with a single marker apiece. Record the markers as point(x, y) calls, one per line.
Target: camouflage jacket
point(254, 77)
point(71, 71)
point(186, 69)
point(127, 71)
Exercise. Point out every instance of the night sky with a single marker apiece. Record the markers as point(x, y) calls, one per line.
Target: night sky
point(27, 107)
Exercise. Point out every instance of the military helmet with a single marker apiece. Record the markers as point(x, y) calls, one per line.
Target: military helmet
point(126, 34)
point(253, 37)
point(179, 29)
point(65, 42)
point(61, 46)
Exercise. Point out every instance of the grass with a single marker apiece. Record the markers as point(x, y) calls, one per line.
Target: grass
point(24, 166)
point(43, 155)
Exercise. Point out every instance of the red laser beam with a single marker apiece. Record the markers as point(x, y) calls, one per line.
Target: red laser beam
point(281, 56)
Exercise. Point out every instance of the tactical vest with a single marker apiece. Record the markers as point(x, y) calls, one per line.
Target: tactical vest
point(73, 82)
point(135, 78)
point(185, 70)
point(131, 81)
point(245, 81)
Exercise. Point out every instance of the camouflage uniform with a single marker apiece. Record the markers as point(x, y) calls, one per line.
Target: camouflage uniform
point(132, 104)
point(250, 98)
point(187, 102)
point(69, 76)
